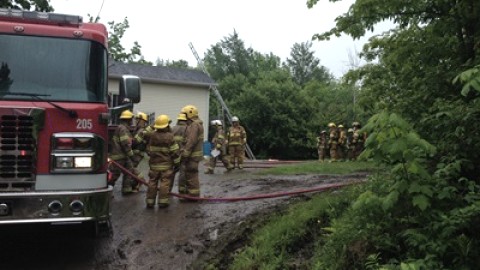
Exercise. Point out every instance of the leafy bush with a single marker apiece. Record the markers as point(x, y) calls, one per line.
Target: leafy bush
point(412, 219)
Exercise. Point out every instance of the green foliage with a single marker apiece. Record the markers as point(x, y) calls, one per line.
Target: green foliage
point(283, 108)
point(183, 64)
point(117, 51)
point(273, 246)
point(304, 66)
point(228, 57)
point(423, 221)
point(470, 80)
point(332, 103)
point(287, 126)
point(417, 74)
point(392, 141)
point(338, 168)
point(36, 5)
point(425, 213)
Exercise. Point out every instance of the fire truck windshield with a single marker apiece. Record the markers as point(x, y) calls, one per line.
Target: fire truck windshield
point(58, 69)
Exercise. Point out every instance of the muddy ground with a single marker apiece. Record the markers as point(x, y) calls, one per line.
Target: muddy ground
point(182, 236)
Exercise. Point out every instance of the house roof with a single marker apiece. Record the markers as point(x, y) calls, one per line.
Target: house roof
point(160, 74)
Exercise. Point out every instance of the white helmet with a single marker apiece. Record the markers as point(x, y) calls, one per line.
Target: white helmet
point(216, 122)
point(234, 119)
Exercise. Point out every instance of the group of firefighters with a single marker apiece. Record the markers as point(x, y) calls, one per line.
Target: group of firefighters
point(340, 144)
point(171, 150)
point(179, 149)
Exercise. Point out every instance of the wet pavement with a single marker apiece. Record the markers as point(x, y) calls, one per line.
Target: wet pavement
point(170, 238)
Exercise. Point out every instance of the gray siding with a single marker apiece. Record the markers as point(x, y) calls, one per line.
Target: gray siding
point(170, 99)
point(166, 90)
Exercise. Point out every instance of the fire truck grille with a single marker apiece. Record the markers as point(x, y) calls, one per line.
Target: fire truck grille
point(17, 147)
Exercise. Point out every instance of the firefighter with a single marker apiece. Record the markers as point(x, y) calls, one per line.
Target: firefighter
point(121, 152)
point(138, 145)
point(358, 139)
point(179, 137)
point(193, 150)
point(164, 155)
point(236, 141)
point(342, 143)
point(219, 150)
point(333, 141)
point(350, 145)
point(322, 145)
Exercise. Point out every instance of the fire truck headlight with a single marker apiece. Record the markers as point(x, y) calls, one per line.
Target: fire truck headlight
point(64, 162)
point(77, 152)
point(83, 162)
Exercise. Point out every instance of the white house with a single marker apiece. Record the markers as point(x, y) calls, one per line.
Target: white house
point(166, 90)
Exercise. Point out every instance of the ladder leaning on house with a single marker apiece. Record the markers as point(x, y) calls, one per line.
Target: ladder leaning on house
point(219, 97)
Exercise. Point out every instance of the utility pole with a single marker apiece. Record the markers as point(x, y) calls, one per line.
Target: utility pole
point(354, 63)
point(219, 97)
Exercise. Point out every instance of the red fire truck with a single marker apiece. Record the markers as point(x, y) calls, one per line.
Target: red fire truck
point(54, 118)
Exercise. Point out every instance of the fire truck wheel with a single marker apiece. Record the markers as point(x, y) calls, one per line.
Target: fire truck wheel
point(101, 229)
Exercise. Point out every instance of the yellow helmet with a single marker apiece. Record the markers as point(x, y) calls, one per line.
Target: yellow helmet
point(143, 116)
point(191, 111)
point(161, 122)
point(331, 124)
point(182, 116)
point(127, 114)
point(350, 130)
point(340, 126)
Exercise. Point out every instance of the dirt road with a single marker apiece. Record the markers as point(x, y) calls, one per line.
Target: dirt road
point(173, 238)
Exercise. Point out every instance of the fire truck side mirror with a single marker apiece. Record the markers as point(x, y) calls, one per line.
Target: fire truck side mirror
point(130, 88)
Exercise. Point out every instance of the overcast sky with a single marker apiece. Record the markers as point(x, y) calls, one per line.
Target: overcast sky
point(164, 28)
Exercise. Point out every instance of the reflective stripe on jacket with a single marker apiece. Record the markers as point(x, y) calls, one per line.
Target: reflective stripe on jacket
point(163, 150)
point(218, 139)
point(138, 146)
point(236, 136)
point(179, 134)
point(333, 137)
point(121, 143)
point(194, 140)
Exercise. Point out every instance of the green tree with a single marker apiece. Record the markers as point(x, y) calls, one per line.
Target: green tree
point(183, 64)
point(263, 62)
point(232, 85)
point(37, 5)
point(116, 49)
point(282, 117)
point(431, 197)
point(228, 57)
point(433, 41)
point(304, 66)
point(270, 110)
point(332, 102)
point(233, 67)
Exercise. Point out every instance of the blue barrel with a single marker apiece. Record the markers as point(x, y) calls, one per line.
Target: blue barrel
point(207, 148)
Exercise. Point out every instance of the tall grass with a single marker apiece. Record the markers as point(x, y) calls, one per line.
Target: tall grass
point(314, 167)
point(300, 226)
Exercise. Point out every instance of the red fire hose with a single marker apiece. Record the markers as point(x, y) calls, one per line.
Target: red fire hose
point(246, 198)
point(270, 195)
point(124, 170)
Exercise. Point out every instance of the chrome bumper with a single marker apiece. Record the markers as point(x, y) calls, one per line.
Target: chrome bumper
point(55, 206)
